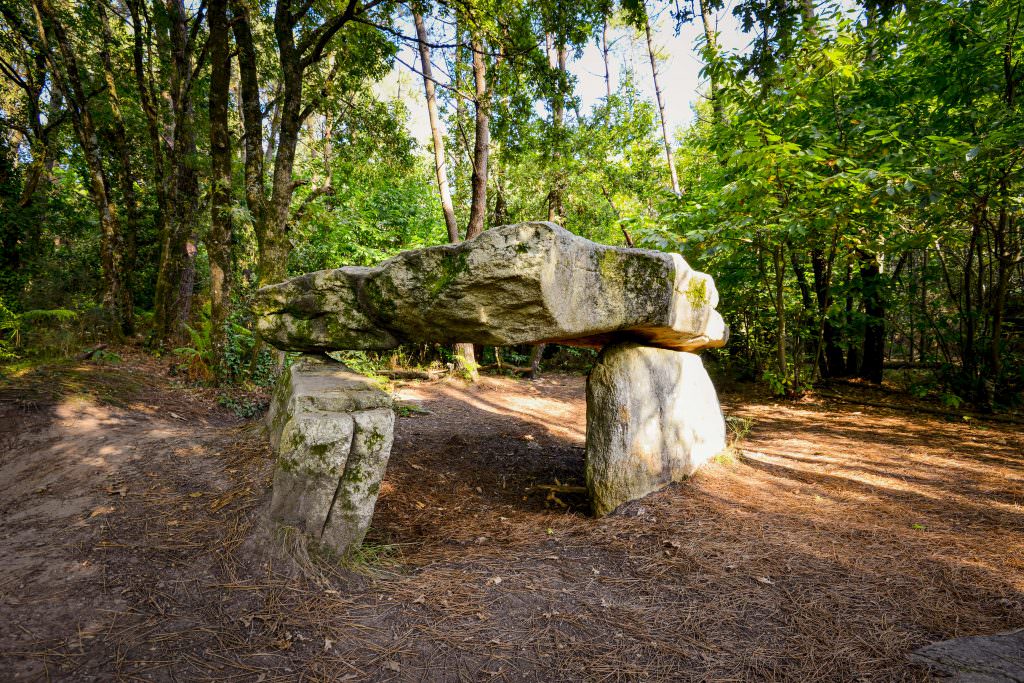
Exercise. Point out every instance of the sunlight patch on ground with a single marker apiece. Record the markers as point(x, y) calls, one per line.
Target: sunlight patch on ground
point(556, 416)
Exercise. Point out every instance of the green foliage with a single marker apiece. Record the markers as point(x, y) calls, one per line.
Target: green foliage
point(361, 361)
point(410, 411)
point(842, 194)
point(9, 327)
point(41, 332)
point(854, 182)
point(739, 428)
point(241, 362)
point(244, 406)
point(381, 198)
point(197, 358)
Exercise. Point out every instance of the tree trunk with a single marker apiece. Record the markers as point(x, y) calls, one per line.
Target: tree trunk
point(536, 356)
point(299, 46)
point(482, 143)
point(1007, 256)
point(440, 163)
point(556, 210)
point(661, 107)
point(252, 114)
point(148, 99)
point(969, 360)
point(712, 49)
point(831, 362)
point(218, 239)
point(272, 237)
point(465, 362)
point(500, 200)
point(607, 71)
point(873, 355)
point(116, 297)
point(780, 311)
point(465, 356)
point(853, 353)
point(41, 142)
point(125, 176)
point(176, 275)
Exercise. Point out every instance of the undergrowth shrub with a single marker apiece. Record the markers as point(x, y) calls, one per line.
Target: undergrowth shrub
point(242, 360)
point(48, 332)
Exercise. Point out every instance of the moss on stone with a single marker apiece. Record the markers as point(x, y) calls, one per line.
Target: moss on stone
point(609, 264)
point(374, 439)
point(287, 465)
point(379, 296)
point(697, 293)
point(451, 266)
point(320, 450)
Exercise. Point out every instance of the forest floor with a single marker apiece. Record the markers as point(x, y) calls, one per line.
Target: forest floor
point(835, 540)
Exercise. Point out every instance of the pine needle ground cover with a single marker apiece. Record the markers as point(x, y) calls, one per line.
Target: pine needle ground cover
point(835, 539)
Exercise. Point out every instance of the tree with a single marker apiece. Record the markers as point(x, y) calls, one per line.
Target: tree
point(218, 237)
point(661, 104)
point(302, 39)
point(55, 44)
point(464, 353)
point(440, 160)
point(176, 271)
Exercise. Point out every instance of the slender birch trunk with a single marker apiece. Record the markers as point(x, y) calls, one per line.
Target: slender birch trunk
point(661, 107)
point(440, 163)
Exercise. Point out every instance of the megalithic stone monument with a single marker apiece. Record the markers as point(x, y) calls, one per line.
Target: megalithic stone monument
point(517, 284)
point(652, 412)
point(332, 430)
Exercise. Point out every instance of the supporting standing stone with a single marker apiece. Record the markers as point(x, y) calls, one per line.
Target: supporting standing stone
point(652, 418)
point(652, 413)
point(332, 431)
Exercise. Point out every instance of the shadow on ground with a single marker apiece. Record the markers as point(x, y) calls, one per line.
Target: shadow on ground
point(836, 541)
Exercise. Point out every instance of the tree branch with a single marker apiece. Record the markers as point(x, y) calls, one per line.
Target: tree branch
point(446, 86)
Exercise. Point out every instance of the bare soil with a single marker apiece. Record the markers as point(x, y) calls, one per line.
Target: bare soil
point(834, 541)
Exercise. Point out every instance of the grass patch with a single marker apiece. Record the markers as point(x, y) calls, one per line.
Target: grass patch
point(373, 558)
point(727, 457)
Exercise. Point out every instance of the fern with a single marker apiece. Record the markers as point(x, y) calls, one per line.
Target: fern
point(199, 356)
point(61, 315)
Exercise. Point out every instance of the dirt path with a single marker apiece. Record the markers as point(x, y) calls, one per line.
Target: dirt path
point(839, 540)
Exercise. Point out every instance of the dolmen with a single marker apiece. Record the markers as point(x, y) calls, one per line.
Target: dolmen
point(653, 416)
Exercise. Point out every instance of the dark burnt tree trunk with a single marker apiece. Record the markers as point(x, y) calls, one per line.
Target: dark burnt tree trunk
point(873, 294)
point(832, 363)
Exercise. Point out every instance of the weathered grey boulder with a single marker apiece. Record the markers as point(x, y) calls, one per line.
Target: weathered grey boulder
point(516, 284)
point(652, 418)
point(332, 431)
point(995, 658)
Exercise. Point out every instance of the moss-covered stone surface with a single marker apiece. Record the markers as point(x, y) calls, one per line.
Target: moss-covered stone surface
point(516, 284)
point(332, 432)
